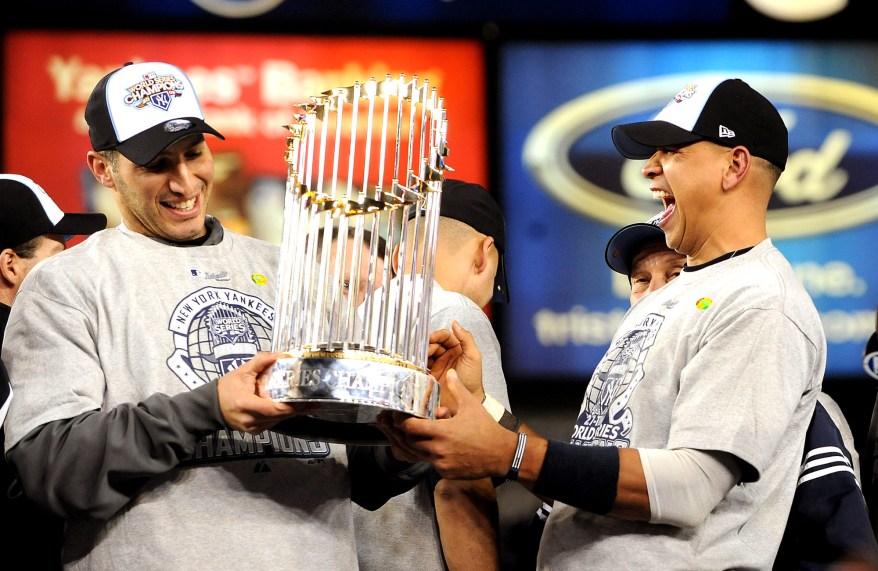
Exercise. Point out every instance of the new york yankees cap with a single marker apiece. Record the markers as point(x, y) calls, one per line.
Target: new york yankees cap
point(727, 112)
point(141, 109)
point(629, 240)
point(27, 211)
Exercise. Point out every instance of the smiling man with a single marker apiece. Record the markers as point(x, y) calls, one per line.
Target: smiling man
point(136, 361)
point(693, 422)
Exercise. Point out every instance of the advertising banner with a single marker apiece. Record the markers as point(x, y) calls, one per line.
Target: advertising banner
point(566, 189)
point(248, 86)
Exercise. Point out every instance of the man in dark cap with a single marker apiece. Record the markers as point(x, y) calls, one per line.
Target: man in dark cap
point(451, 523)
point(638, 252)
point(32, 228)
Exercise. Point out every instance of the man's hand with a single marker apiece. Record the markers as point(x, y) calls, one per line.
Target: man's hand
point(243, 401)
point(456, 349)
point(468, 445)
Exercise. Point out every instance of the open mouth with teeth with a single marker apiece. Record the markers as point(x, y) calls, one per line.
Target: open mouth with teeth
point(184, 205)
point(668, 202)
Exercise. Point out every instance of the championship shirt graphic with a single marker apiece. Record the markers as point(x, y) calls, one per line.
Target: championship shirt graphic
point(155, 90)
point(606, 419)
point(216, 330)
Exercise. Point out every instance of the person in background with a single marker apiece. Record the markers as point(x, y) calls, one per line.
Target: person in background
point(870, 366)
point(451, 524)
point(695, 418)
point(638, 252)
point(138, 361)
point(32, 228)
point(358, 280)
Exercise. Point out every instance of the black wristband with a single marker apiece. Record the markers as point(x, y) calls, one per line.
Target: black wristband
point(585, 477)
point(512, 474)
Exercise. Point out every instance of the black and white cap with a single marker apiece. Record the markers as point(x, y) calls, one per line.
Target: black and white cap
point(727, 112)
point(141, 109)
point(27, 211)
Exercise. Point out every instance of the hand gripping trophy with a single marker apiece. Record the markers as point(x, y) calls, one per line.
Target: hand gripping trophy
point(362, 161)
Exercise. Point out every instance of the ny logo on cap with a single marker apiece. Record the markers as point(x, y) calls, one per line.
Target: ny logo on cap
point(156, 90)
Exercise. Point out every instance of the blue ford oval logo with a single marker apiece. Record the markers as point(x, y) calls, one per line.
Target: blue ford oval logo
point(828, 183)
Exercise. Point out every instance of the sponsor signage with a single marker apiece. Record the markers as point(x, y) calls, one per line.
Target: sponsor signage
point(248, 86)
point(567, 189)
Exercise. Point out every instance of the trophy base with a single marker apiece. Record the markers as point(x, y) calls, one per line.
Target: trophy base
point(347, 390)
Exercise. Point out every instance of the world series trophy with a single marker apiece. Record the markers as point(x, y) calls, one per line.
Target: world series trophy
point(361, 161)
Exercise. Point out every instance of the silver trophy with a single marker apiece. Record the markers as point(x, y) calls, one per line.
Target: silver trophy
point(362, 161)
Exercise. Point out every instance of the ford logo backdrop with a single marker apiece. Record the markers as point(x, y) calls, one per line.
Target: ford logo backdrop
point(566, 190)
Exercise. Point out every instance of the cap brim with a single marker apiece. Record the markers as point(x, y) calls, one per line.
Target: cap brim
point(79, 224)
point(143, 148)
point(501, 286)
point(627, 242)
point(640, 140)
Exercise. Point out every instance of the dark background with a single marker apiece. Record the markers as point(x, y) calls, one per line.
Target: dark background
point(549, 405)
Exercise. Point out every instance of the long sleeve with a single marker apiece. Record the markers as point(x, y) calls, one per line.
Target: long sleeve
point(91, 465)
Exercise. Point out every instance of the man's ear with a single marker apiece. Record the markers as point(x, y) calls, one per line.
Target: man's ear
point(9, 271)
point(100, 168)
point(483, 255)
point(737, 167)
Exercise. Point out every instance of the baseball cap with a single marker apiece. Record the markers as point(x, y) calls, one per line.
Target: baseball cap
point(141, 109)
point(473, 205)
point(629, 240)
point(727, 112)
point(27, 211)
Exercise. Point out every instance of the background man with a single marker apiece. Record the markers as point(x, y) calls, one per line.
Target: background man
point(32, 228)
point(453, 523)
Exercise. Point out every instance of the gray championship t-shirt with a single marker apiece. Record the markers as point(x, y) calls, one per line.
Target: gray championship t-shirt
point(122, 318)
point(729, 357)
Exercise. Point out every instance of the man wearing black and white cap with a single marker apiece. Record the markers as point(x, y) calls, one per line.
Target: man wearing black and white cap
point(32, 228)
point(693, 422)
point(135, 360)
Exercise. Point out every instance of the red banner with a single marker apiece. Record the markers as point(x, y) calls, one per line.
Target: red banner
point(248, 87)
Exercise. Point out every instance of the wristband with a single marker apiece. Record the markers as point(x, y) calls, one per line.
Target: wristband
point(586, 477)
point(512, 474)
point(494, 408)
